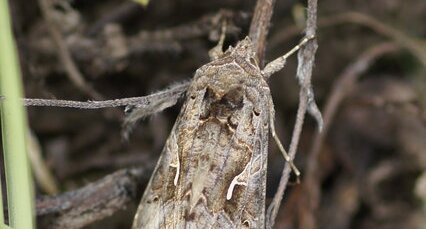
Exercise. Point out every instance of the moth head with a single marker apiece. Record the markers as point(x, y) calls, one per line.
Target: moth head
point(244, 49)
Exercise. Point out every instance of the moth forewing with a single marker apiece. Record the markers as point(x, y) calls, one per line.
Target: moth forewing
point(212, 171)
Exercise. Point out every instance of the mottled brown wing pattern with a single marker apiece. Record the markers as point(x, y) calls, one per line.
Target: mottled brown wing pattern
point(212, 171)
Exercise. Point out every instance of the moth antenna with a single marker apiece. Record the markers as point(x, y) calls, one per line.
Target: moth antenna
point(278, 64)
point(217, 51)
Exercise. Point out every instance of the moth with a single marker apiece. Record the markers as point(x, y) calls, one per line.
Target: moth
point(212, 170)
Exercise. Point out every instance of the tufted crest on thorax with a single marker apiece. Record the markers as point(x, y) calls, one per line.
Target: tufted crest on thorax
point(243, 50)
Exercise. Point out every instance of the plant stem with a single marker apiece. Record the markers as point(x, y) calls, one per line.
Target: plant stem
point(14, 127)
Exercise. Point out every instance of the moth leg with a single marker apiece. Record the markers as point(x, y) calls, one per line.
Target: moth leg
point(217, 51)
point(152, 104)
point(277, 140)
point(278, 64)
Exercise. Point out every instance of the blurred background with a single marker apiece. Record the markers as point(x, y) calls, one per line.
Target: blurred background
point(367, 170)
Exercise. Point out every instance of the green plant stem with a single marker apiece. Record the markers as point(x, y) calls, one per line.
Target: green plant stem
point(14, 128)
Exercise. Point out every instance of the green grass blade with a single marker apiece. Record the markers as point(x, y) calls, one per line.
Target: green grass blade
point(20, 194)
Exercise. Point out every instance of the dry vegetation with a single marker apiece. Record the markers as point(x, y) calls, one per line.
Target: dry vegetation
point(366, 170)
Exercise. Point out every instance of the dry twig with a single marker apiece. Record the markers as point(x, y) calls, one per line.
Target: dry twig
point(95, 201)
point(73, 73)
point(258, 32)
point(42, 173)
point(260, 26)
point(412, 44)
point(98, 60)
point(342, 87)
point(306, 57)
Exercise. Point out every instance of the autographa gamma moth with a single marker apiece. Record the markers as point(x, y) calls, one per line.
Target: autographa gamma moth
point(212, 170)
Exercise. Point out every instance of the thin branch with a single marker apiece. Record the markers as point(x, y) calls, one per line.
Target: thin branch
point(73, 73)
point(342, 87)
point(344, 84)
point(42, 173)
point(95, 201)
point(306, 57)
point(99, 61)
point(410, 43)
point(200, 27)
point(125, 11)
point(260, 26)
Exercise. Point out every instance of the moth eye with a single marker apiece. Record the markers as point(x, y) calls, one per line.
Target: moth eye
point(192, 96)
